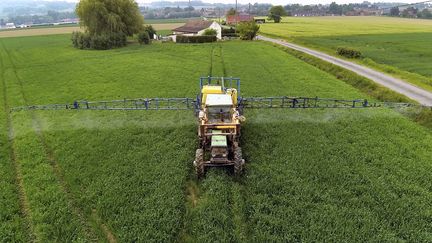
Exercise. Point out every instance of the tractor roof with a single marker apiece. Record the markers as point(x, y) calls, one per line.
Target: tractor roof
point(219, 100)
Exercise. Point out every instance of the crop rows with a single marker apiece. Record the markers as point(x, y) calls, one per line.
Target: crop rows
point(12, 216)
point(48, 208)
point(340, 175)
point(128, 176)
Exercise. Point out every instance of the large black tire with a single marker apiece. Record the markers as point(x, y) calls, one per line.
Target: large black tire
point(238, 161)
point(199, 162)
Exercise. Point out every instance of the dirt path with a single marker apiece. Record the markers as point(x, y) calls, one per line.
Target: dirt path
point(420, 95)
point(67, 30)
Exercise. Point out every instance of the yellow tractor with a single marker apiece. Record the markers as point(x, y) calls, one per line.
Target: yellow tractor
point(219, 125)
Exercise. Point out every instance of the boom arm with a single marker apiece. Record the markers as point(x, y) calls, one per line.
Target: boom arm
point(191, 103)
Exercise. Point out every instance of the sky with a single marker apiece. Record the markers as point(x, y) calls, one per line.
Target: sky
point(281, 2)
point(285, 2)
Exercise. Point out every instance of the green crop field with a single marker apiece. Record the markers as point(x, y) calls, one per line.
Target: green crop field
point(395, 45)
point(311, 175)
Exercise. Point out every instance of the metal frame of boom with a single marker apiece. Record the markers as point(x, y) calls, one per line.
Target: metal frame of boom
point(225, 82)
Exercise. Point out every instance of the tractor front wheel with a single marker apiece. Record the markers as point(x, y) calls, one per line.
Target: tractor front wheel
point(199, 162)
point(238, 161)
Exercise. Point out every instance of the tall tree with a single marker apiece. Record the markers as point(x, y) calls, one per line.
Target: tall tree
point(394, 11)
point(247, 30)
point(231, 12)
point(110, 16)
point(334, 8)
point(425, 14)
point(276, 13)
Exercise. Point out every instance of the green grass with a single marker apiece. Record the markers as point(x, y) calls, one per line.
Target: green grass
point(168, 21)
point(393, 45)
point(292, 27)
point(164, 32)
point(13, 224)
point(336, 175)
point(312, 175)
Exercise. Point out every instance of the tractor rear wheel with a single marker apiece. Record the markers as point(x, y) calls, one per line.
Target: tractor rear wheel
point(199, 162)
point(238, 161)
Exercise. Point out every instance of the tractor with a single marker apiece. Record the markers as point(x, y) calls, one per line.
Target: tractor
point(219, 126)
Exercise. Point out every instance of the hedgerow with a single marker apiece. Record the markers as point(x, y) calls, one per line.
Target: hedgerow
point(348, 52)
point(195, 39)
point(84, 40)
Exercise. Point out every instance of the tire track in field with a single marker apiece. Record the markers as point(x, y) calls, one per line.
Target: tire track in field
point(236, 189)
point(238, 200)
point(211, 61)
point(222, 61)
point(49, 154)
point(23, 200)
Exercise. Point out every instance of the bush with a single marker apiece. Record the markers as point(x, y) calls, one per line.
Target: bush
point(210, 32)
point(195, 39)
point(247, 30)
point(350, 53)
point(150, 30)
point(144, 37)
point(83, 40)
point(231, 32)
point(80, 40)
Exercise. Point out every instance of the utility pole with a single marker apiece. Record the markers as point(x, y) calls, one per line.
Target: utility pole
point(236, 14)
point(190, 9)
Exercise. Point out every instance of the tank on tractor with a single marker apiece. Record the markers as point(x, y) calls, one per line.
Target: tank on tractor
point(219, 125)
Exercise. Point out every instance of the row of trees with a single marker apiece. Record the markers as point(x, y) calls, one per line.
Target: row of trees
point(275, 13)
point(411, 12)
point(333, 8)
point(50, 17)
point(170, 13)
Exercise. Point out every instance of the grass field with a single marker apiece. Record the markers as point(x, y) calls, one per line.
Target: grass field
point(55, 30)
point(167, 21)
point(395, 45)
point(312, 175)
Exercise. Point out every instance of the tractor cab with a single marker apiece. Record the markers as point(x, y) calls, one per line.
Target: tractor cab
point(219, 108)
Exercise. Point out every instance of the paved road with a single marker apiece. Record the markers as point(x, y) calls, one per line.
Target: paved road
point(422, 96)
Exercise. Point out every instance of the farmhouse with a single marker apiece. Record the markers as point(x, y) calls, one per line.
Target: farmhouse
point(197, 27)
point(10, 26)
point(235, 19)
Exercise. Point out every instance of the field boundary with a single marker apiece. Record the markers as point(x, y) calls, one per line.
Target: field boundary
point(19, 182)
point(413, 92)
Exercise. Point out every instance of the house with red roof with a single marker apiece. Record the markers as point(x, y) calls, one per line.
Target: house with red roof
point(235, 19)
